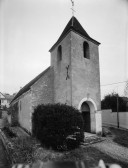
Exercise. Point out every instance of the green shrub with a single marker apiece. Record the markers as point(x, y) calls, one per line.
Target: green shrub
point(58, 126)
point(106, 132)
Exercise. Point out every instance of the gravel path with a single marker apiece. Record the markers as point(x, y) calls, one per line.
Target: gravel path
point(112, 149)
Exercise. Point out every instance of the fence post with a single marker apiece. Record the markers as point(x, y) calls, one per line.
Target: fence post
point(117, 112)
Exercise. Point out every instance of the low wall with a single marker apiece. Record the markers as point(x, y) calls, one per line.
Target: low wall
point(98, 116)
point(1, 123)
point(5, 119)
point(110, 118)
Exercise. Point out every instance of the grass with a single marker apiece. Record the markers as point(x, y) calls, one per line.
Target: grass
point(21, 149)
point(119, 136)
point(89, 154)
point(28, 150)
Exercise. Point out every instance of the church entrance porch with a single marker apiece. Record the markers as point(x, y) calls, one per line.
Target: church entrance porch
point(92, 117)
point(88, 110)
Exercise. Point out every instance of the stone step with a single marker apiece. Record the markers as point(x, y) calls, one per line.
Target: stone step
point(91, 140)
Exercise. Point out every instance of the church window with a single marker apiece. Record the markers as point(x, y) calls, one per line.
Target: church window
point(59, 53)
point(86, 50)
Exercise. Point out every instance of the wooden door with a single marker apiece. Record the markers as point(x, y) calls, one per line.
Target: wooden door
point(86, 117)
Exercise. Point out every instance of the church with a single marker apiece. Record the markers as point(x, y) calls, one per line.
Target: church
point(73, 78)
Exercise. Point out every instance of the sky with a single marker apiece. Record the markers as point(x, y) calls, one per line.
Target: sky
point(29, 28)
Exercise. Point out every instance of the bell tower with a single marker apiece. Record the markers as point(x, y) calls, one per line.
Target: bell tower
point(75, 61)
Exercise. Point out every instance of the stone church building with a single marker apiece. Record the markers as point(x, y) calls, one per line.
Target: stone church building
point(72, 78)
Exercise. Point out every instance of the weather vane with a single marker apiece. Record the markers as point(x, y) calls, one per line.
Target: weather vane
point(72, 7)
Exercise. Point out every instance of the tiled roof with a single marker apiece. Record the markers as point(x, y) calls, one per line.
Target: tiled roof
point(74, 25)
point(28, 86)
point(2, 94)
point(8, 97)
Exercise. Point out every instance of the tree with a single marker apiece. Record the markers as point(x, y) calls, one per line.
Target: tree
point(115, 102)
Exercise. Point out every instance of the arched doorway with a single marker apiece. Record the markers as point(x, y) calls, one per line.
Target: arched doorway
point(85, 110)
point(88, 108)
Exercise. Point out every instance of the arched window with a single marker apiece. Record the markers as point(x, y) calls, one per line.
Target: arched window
point(59, 53)
point(86, 50)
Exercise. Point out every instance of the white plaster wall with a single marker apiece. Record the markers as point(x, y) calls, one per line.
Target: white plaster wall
point(123, 119)
point(98, 116)
point(110, 118)
point(25, 110)
point(62, 87)
point(85, 72)
point(5, 103)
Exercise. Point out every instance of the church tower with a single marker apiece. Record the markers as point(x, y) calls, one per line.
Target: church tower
point(75, 62)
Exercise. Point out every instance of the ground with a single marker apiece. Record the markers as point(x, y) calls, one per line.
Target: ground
point(115, 146)
point(120, 136)
point(108, 150)
point(112, 149)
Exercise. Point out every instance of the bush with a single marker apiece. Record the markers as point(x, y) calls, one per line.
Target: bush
point(58, 126)
point(106, 132)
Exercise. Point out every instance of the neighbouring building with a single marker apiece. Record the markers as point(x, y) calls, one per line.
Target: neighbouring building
point(72, 78)
point(5, 100)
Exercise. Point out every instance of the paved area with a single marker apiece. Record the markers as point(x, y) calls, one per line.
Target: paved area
point(112, 149)
point(3, 157)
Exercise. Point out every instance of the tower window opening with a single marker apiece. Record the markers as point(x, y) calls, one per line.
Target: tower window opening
point(86, 50)
point(59, 53)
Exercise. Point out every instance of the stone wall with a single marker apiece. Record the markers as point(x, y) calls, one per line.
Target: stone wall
point(40, 93)
point(42, 90)
point(84, 76)
point(86, 79)
point(62, 87)
point(85, 72)
point(25, 110)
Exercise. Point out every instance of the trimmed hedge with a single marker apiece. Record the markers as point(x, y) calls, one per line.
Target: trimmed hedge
point(58, 126)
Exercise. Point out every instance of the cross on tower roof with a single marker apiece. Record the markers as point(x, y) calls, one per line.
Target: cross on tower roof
point(72, 7)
